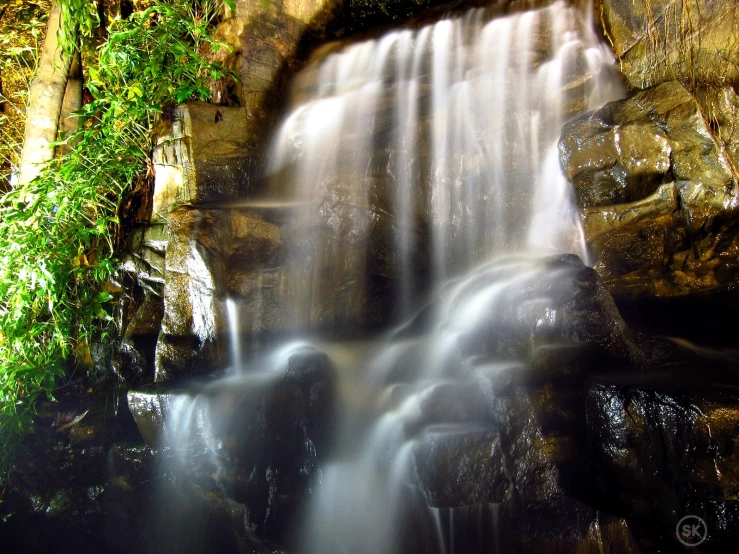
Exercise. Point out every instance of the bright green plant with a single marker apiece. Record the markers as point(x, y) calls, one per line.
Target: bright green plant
point(56, 245)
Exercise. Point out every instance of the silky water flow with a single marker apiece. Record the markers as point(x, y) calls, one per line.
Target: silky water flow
point(450, 130)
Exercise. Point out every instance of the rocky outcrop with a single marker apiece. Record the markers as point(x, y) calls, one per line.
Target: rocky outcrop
point(264, 44)
point(656, 174)
point(720, 106)
point(570, 443)
point(201, 156)
point(266, 261)
point(693, 41)
point(515, 431)
point(657, 193)
point(214, 254)
point(143, 272)
point(210, 154)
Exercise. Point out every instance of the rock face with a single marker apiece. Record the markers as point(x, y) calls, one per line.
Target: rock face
point(143, 266)
point(689, 440)
point(210, 154)
point(656, 174)
point(213, 254)
point(584, 446)
point(264, 46)
point(573, 457)
point(518, 434)
point(201, 156)
point(720, 106)
point(657, 193)
point(660, 40)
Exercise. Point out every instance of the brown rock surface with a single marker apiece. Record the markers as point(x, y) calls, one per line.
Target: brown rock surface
point(657, 191)
point(693, 41)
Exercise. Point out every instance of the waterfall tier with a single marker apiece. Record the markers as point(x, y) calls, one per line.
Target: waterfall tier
point(442, 139)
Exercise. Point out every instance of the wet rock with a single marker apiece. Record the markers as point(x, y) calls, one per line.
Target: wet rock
point(543, 436)
point(265, 43)
point(363, 14)
point(624, 151)
point(567, 526)
point(71, 489)
point(457, 454)
point(688, 440)
point(138, 345)
point(661, 40)
point(193, 315)
point(147, 266)
point(600, 220)
point(259, 283)
point(564, 306)
point(343, 256)
point(200, 156)
point(721, 107)
point(657, 193)
point(282, 277)
point(149, 410)
point(214, 254)
point(267, 432)
point(531, 458)
point(460, 467)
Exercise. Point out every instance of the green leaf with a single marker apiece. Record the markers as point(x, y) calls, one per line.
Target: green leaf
point(56, 233)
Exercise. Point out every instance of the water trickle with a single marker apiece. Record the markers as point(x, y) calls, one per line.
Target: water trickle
point(234, 333)
point(450, 132)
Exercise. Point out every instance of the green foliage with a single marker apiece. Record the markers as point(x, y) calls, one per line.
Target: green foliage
point(56, 246)
point(81, 20)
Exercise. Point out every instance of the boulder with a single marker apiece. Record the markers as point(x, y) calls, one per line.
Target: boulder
point(531, 459)
point(657, 194)
point(556, 316)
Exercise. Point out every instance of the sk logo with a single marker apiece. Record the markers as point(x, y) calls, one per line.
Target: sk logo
point(691, 530)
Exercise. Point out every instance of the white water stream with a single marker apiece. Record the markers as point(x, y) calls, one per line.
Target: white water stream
point(459, 121)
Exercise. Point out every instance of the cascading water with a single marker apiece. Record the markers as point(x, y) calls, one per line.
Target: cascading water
point(451, 132)
point(452, 129)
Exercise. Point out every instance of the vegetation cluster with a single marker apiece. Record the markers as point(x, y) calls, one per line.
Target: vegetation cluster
point(58, 231)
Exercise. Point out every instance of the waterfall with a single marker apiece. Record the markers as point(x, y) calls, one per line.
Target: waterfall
point(450, 133)
point(452, 130)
